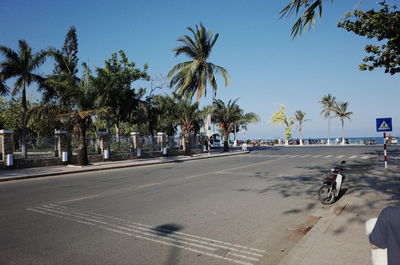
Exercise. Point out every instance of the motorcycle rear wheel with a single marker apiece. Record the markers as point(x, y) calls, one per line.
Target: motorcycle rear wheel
point(326, 194)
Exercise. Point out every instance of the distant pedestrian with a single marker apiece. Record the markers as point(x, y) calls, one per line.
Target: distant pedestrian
point(386, 234)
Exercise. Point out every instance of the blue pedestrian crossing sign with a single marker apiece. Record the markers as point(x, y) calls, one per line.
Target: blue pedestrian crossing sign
point(384, 124)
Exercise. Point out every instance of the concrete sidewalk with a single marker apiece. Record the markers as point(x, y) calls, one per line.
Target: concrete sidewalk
point(26, 173)
point(339, 236)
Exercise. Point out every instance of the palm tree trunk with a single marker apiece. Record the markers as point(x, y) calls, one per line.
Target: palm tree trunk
point(118, 140)
point(343, 141)
point(226, 143)
point(234, 137)
point(186, 140)
point(82, 146)
point(23, 129)
point(329, 130)
point(301, 136)
point(70, 128)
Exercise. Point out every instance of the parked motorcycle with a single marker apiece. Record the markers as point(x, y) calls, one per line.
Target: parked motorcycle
point(330, 189)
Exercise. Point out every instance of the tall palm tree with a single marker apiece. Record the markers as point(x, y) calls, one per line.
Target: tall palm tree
point(299, 118)
point(193, 76)
point(328, 104)
point(340, 110)
point(22, 65)
point(84, 108)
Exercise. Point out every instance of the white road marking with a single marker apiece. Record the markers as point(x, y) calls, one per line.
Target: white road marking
point(304, 156)
point(145, 232)
point(364, 157)
point(294, 156)
point(340, 156)
point(151, 184)
point(351, 157)
point(316, 156)
point(328, 156)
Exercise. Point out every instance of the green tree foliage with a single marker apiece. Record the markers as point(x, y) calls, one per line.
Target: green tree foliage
point(193, 76)
point(11, 115)
point(167, 116)
point(114, 84)
point(4, 90)
point(382, 25)
point(279, 118)
point(21, 65)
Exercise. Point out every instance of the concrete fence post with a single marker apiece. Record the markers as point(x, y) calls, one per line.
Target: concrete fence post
point(136, 143)
point(104, 143)
point(61, 149)
point(7, 147)
point(162, 142)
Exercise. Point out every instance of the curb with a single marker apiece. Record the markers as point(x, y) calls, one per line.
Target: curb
point(109, 167)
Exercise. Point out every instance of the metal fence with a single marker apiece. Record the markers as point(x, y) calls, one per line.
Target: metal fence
point(45, 147)
point(91, 143)
point(122, 144)
point(37, 147)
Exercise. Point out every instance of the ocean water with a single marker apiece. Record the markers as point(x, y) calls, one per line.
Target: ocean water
point(352, 140)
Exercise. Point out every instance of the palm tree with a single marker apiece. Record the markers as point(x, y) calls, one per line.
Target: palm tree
point(229, 116)
point(340, 110)
point(84, 108)
point(328, 104)
point(192, 76)
point(21, 65)
point(299, 118)
point(188, 116)
point(243, 120)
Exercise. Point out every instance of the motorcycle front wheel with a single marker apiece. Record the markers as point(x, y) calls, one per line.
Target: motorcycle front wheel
point(326, 195)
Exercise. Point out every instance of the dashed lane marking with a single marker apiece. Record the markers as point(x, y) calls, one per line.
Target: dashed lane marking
point(151, 184)
point(81, 198)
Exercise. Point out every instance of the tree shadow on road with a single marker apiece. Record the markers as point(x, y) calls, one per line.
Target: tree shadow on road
point(372, 187)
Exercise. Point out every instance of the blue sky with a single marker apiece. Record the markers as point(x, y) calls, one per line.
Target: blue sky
point(266, 65)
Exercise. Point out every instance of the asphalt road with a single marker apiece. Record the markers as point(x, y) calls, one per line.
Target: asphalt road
point(247, 209)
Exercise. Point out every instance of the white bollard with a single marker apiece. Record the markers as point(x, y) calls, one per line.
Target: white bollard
point(138, 152)
point(64, 157)
point(106, 154)
point(10, 160)
point(165, 151)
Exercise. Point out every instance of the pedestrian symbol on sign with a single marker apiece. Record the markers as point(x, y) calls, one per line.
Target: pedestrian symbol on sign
point(384, 126)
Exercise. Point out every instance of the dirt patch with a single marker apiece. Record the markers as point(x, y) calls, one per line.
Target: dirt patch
point(302, 229)
point(292, 236)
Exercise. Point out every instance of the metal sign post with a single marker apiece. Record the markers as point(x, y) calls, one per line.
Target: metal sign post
point(384, 125)
point(384, 150)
